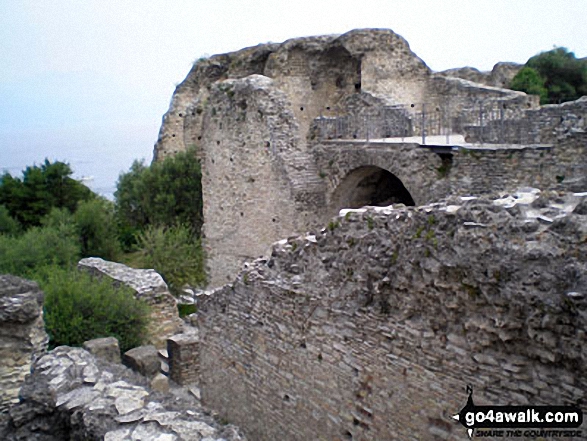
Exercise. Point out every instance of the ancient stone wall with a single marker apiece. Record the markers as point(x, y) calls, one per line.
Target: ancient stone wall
point(22, 334)
point(254, 115)
point(548, 124)
point(149, 287)
point(258, 183)
point(373, 328)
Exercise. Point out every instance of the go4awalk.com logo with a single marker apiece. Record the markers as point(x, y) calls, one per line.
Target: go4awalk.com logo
point(520, 421)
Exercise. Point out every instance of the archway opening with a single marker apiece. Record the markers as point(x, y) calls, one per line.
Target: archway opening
point(370, 185)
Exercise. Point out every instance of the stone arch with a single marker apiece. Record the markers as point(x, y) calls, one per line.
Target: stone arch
point(369, 185)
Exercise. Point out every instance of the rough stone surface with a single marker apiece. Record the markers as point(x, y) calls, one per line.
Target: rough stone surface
point(389, 312)
point(184, 358)
point(73, 395)
point(144, 360)
point(275, 124)
point(500, 76)
point(22, 334)
point(148, 286)
point(106, 348)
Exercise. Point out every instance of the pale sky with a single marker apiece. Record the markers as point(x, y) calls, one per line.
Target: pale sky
point(79, 72)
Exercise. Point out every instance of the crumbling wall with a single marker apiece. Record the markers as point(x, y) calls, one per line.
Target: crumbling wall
point(22, 334)
point(548, 124)
point(149, 287)
point(258, 183)
point(373, 328)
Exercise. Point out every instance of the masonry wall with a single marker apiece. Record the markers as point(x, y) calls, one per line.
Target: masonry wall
point(373, 328)
point(548, 124)
point(22, 334)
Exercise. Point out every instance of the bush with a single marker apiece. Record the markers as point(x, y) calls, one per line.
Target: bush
point(38, 247)
point(164, 194)
point(97, 230)
point(562, 74)
point(529, 80)
point(79, 308)
point(42, 188)
point(8, 225)
point(174, 253)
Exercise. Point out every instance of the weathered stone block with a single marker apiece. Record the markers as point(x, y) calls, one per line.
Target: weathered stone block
point(22, 334)
point(106, 348)
point(148, 286)
point(144, 360)
point(160, 383)
point(184, 364)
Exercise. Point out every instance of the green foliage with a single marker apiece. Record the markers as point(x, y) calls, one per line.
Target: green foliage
point(97, 230)
point(80, 308)
point(39, 246)
point(529, 80)
point(29, 199)
point(563, 76)
point(164, 194)
point(175, 253)
point(185, 310)
point(8, 225)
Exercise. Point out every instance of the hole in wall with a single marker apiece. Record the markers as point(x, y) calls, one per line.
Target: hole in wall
point(357, 86)
point(199, 138)
point(327, 107)
point(348, 435)
point(302, 109)
point(181, 115)
point(286, 398)
point(370, 185)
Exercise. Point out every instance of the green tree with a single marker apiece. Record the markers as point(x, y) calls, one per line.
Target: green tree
point(529, 80)
point(164, 194)
point(29, 199)
point(8, 225)
point(564, 76)
point(97, 230)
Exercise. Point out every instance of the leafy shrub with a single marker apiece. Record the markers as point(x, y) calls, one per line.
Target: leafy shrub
point(8, 225)
point(173, 252)
point(79, 308)
point(562, 74)
point(529, 80)
point(164, 194)
point(38, 247)
point(97, 230)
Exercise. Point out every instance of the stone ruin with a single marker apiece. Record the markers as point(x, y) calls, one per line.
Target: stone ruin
point(288, 134)
point(22, 334)
point(148, 286)
point(370, 322)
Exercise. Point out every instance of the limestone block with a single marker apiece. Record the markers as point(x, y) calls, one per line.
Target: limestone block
point(160, 383)
point(106, 348)
point(144, 360)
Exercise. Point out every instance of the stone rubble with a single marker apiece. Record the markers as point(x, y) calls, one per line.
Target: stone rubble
point(73, 395)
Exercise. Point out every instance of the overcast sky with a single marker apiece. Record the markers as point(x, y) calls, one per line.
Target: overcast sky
point(83, 71)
